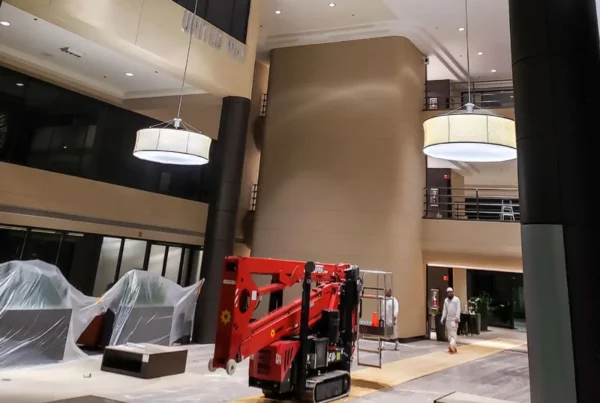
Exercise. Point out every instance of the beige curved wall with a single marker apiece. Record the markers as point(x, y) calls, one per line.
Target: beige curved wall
point(342, 169)
point(472, 244)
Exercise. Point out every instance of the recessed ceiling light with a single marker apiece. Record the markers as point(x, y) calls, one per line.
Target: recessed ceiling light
point(278, 12)
point(129, 74)
point(480, 53)
point(461, 29)
point(331, 4)
point(20, 85)
point(5, 23)
point(494, 70)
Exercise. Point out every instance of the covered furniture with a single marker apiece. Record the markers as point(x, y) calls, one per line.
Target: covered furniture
point(143, 307)
point(40, 314)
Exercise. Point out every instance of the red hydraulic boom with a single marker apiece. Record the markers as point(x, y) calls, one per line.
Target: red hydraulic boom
point(322, 323)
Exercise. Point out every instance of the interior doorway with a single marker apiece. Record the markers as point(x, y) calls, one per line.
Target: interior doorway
point(496, 296)
point(504, 293)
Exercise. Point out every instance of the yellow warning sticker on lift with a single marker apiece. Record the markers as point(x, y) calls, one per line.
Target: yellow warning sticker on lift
point(225, 317)
point(272, 333)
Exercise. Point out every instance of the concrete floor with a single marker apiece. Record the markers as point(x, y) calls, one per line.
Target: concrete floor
point(502, 375)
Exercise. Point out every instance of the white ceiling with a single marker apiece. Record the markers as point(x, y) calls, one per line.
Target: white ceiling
point(38, 43)
point(432, 25)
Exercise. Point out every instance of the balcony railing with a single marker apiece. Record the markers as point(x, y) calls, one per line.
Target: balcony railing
point(263, 106)
point(446, 95)
point(253, 197)
point(483, 204)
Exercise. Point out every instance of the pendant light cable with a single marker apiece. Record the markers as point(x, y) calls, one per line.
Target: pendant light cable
point(187, 59)
point(186, 145)
point(468, 55)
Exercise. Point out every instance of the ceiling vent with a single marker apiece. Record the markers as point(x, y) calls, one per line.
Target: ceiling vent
point(72, 52)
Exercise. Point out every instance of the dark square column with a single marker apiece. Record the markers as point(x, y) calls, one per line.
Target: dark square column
point(222, 212)
point(555, 53)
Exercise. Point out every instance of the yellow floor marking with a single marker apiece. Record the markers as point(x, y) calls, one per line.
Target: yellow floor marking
point(371, 380)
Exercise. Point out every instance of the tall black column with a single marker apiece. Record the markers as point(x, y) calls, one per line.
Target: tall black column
point(222, 213)
point(555, 53)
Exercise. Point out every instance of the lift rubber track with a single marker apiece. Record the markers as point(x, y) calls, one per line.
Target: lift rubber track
point(328, 387)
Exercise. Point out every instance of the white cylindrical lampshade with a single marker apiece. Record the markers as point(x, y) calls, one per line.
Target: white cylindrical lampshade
point(172, 146)
point(470, 137)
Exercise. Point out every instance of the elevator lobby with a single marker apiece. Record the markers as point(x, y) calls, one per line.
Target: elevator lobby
point(278, 200)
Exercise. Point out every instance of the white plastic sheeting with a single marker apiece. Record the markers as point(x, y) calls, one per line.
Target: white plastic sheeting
point(42, 315)
point(149, 308)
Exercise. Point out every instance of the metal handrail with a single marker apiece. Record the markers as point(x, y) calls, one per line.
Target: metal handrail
point(464, 203)
point(479, 188)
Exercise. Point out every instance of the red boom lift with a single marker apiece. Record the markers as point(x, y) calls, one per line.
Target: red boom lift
point(302, 350)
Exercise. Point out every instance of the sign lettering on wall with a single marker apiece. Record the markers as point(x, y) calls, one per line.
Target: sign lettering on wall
point(213, 36)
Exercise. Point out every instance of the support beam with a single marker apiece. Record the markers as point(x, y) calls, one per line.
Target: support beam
point(555, 53)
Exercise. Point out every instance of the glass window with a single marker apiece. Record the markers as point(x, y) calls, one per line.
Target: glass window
point(157, 257)
point(41, 139)
point(133, 255)
point(11, 243)
point(173, 261)
point(186, 275)
point(59, 136)
point(90, 137)
point(165, 182)
point(70, 243)
point(107, 264)
point(46, 127)
point(3, 129)
point(42, 245)
point(196, 265)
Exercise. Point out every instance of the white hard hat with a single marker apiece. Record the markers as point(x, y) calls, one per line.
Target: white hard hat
point(449, 289)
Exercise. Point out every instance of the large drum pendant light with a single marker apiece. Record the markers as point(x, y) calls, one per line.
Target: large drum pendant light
point(174, 142)
point(467, 135)
point(470, 135)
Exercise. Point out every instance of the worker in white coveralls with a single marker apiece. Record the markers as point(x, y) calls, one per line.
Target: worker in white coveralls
point(451, 316)
point(389, 313)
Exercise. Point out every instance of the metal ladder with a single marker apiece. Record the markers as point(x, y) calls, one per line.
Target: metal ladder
point(365, 331)
point(507, 213)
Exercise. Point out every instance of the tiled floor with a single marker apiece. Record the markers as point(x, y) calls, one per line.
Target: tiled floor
point(502, 375)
